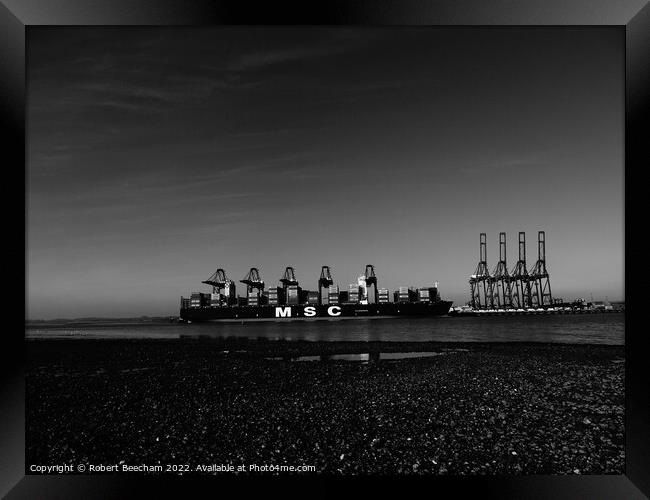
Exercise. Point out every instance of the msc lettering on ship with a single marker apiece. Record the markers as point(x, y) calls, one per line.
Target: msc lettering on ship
point(309, 311)
point(282, 312)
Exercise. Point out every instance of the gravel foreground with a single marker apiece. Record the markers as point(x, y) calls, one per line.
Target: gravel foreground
point(473, 409)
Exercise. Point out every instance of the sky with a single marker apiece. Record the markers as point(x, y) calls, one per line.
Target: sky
point(157, 155)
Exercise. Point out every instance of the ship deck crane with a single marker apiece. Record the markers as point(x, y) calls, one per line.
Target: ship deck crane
point(217, 280)
point(289, 278)
point(325, 281)
point(253, 281)
point(371, 279)
point(220, 282)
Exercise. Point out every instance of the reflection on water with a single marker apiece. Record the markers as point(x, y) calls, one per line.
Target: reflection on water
point(373, 356)
point(329, 357)
point(591, 328)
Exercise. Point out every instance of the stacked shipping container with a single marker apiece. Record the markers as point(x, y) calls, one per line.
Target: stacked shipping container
point(253, 297)
point(333, 295)
point(293, 295)
point(199, 300)
point(353, 293)
point(273, 296)
point(312, 298)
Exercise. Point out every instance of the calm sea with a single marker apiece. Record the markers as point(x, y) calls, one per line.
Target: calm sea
point(573, 329)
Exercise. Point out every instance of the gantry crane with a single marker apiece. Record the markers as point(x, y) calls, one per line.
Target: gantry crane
point(501, 291)
point(539, 279)
point(521, 294)
point(481, 282)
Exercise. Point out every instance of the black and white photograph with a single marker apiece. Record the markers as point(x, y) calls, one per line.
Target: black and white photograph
point(325, 250)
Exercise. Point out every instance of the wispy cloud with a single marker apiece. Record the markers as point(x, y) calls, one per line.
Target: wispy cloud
point(257, 60)
point(511, 164)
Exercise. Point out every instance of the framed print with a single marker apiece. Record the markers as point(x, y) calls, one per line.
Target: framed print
point(367, 239)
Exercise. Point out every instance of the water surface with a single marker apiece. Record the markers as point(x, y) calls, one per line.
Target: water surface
point(576, 329)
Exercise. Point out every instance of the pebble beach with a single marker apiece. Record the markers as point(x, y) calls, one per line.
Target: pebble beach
point(464, 409)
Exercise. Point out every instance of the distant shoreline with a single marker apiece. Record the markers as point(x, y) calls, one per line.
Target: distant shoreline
point(99, 322)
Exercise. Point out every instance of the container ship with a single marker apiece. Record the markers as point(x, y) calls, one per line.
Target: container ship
point(290, 302)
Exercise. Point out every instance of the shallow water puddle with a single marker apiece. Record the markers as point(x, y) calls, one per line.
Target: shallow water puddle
point(403, 355)
point(365, 357)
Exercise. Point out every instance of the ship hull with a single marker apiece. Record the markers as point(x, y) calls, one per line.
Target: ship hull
point(314, 312)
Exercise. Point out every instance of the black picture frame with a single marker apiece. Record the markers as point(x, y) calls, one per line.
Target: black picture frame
point(633, 16)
